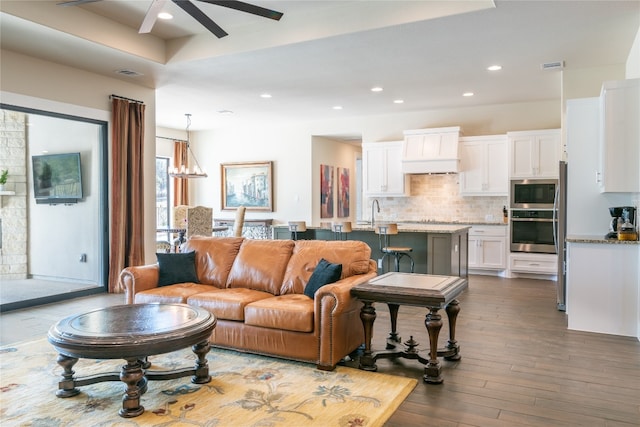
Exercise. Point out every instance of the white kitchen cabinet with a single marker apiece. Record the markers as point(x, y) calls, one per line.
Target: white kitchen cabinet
point(382, 173)
point(619, 137)
point(603, 282)
point(488, 247)
point(521, 262)
point(484, 166)
point(432, 150)
point(534, 154)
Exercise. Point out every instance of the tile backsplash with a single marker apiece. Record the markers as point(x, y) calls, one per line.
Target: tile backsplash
point(437, 198)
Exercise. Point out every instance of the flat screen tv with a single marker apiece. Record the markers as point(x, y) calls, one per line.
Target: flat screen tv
point(57, 178)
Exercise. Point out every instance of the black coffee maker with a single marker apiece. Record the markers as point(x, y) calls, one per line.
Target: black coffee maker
point(625, 213)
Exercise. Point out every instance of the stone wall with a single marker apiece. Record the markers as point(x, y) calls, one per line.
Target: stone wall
point(13, 208)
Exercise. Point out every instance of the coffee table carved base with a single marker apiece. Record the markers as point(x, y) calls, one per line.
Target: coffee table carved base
point(132, 332)
point(135, 376)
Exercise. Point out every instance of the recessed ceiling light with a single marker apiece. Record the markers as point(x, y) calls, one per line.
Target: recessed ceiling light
point(376, 89)
point(225, 112)
point(398, 101)
point(337, 107)
point(165, 15)
point(467, 94)
point(265, 95)
point(494, 68)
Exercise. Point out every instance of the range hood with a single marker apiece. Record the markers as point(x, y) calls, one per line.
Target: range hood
point(434, 150)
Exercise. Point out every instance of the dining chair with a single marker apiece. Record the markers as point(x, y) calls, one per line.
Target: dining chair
point(199, 221)
point(238, 224)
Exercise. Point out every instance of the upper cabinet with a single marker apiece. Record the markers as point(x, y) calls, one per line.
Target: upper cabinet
point(431, 150)
point(382, 173)
point(484, 166)
point(620, 137)
point(534, 154)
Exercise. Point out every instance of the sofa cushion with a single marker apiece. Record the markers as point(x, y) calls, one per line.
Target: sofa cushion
point(227, 304)
point(353, 255)
point(176, 268)
point(324, 273)
point(177, 293)
point(287, 312)
point(214, 257)
point(260, 265)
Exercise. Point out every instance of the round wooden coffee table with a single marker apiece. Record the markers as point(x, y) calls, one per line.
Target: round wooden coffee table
point(132, 332)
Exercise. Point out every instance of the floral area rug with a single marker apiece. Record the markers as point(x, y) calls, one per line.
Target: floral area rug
point(245, 390)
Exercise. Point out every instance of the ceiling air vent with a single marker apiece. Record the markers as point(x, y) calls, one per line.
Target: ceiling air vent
point(128, 73)
point(558, 65)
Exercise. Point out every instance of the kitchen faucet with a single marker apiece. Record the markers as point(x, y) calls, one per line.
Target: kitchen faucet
point(373, 221)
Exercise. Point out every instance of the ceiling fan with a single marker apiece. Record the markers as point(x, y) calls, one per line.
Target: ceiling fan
point(189, 7)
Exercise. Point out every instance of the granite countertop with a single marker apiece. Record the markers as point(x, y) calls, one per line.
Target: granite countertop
point(421, 227)
point(416, 227)
point(600, 239)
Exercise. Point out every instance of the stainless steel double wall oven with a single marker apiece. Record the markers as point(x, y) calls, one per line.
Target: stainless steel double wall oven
point(534, 218)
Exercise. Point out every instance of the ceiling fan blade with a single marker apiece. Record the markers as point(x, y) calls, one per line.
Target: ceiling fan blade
point(199, 16)
point(151, 16)
point(249, 8)
point(76, 2)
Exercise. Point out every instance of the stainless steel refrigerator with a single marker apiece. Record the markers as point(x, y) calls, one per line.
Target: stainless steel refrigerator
point(560, 234)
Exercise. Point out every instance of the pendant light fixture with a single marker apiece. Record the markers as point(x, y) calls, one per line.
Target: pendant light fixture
point(183, 171)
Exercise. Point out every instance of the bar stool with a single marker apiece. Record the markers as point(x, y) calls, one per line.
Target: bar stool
point(341, 229)
point(397, 252)
point(297, 226)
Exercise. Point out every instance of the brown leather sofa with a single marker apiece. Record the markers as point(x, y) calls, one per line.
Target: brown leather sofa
point(255, 290)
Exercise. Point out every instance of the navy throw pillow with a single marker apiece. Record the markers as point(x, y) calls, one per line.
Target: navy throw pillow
point(323, 274)
point(177, 268)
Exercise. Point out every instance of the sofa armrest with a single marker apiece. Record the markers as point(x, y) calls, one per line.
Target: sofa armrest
point(137, 279)
point(340, 291)
point(337, 319)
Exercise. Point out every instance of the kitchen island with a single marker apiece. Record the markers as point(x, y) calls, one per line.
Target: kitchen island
point(437, 248)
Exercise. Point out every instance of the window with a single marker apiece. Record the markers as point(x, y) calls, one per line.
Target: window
point(163, 196)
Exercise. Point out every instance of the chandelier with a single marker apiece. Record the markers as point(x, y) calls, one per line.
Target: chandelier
point(183, 171)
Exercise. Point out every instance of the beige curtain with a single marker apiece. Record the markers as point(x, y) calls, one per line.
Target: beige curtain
point(127, 219)
point(181, 189)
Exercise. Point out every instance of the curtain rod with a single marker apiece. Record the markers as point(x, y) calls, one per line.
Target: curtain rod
point(171, 139)
point(125, 98)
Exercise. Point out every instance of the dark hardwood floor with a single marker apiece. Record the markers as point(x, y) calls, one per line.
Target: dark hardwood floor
point(520, 365)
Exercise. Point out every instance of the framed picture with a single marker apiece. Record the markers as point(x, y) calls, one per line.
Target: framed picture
point(326, 191)
point(343, 192)
point(248, 184)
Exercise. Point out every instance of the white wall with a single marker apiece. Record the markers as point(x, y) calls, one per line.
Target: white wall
point(587, 207)
point(633, 61)
point(339, 155)
point(288, 148)
point(164, 147)
point(298, 149)
point(33, 83)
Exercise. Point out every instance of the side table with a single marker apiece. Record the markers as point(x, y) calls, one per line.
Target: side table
point(422, 290)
